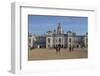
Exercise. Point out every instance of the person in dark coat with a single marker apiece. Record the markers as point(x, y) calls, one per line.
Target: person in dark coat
point(73, 48)
point(58, 48)
point(70, 48)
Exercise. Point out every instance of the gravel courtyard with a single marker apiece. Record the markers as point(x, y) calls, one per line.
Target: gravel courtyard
point(50, 54)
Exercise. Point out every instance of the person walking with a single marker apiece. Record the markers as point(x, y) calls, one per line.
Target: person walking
point(59, 46)
point(70, 48)
point(56, 48)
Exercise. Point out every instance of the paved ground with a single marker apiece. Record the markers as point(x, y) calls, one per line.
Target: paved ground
point(49, 54)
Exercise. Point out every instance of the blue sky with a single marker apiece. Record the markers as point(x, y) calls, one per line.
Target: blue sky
point(39, 24)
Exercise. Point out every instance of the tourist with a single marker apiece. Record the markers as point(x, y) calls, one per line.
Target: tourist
point(70, 48)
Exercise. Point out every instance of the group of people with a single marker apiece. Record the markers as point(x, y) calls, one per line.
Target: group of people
point(71, 48)
point(58, 48)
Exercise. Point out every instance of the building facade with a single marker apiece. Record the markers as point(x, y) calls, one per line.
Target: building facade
point(57, 37)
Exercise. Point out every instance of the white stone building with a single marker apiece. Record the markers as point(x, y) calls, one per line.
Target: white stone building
point(31, 40)
point(66, 40)
point(86, 40)
point(58, 36)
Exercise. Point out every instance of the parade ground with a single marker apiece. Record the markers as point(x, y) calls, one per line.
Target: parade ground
point(50, 54)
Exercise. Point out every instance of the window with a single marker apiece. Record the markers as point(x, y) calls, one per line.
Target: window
point(56, 40)
point(48, 40)
point(59, 40)
point(70, 40)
